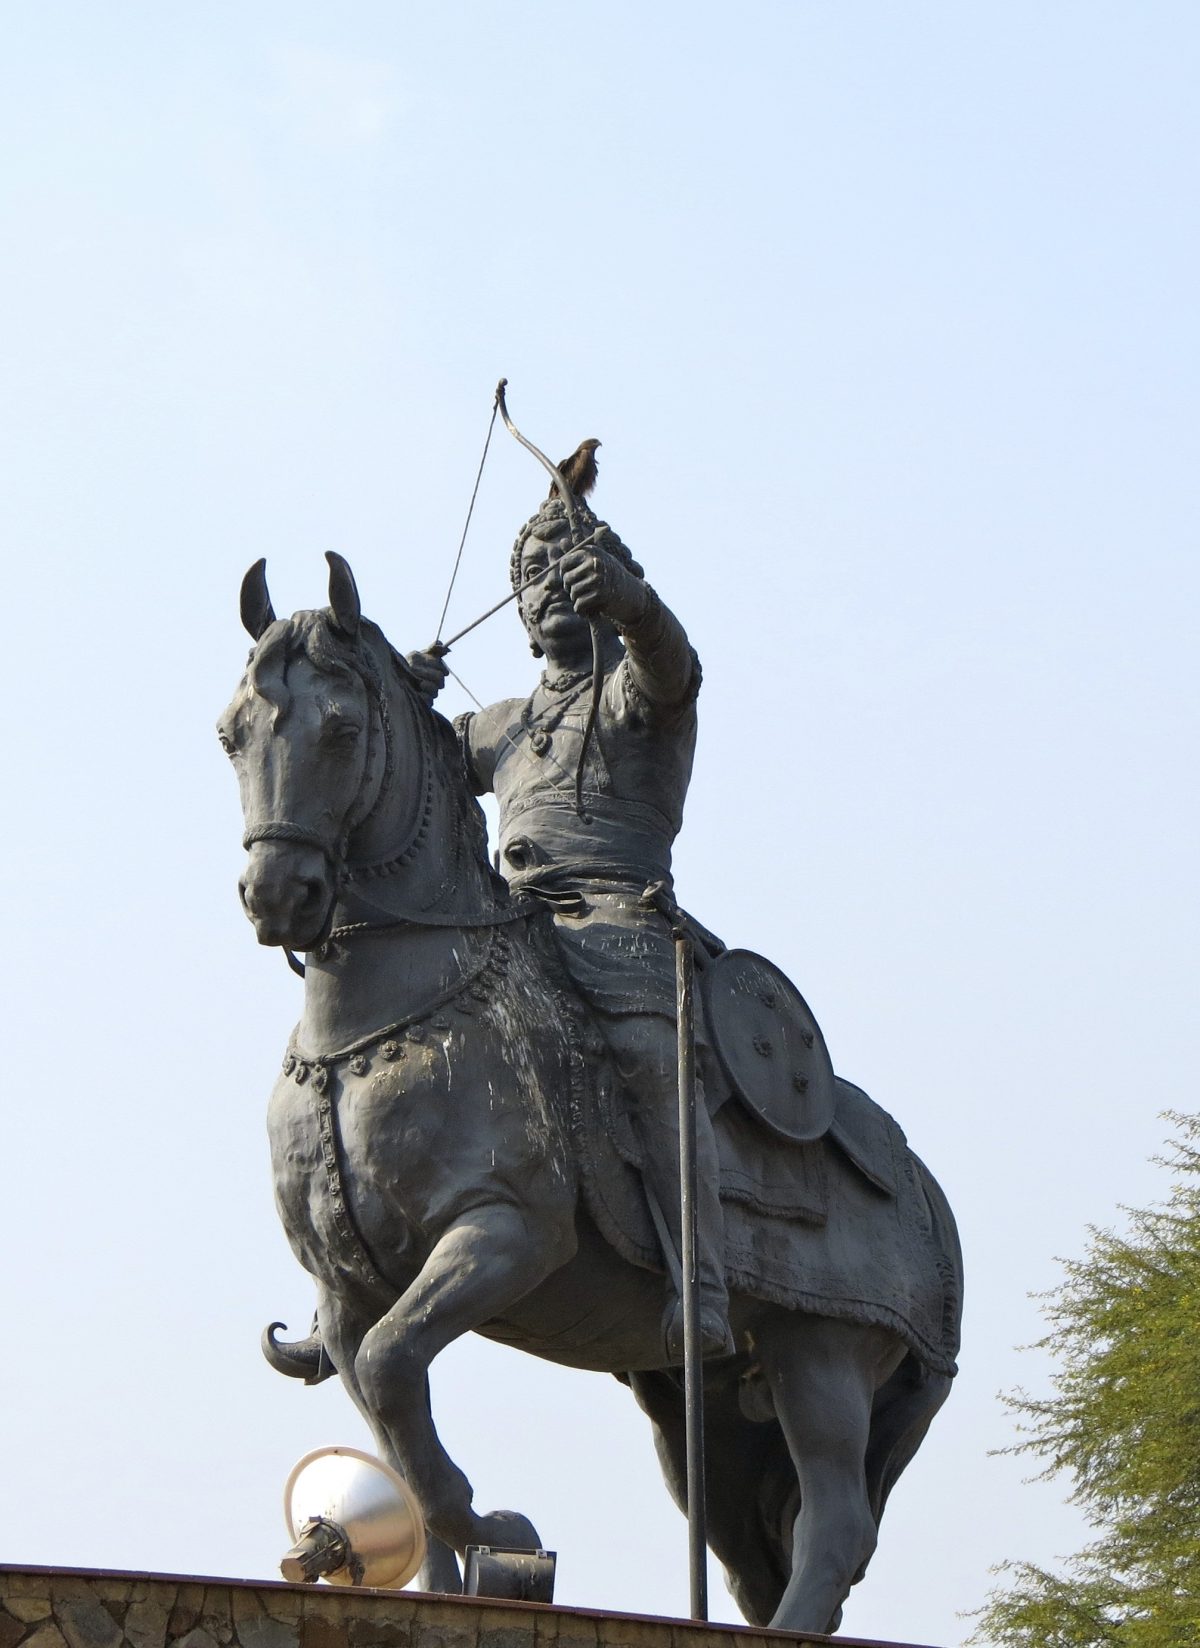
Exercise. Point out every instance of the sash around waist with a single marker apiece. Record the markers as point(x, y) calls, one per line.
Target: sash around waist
point(622, 840)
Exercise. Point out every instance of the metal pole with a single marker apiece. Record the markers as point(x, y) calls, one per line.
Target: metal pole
point(693, 1363)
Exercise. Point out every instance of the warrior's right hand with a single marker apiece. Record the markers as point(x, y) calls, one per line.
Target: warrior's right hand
point(429, 670)
point(599, 586)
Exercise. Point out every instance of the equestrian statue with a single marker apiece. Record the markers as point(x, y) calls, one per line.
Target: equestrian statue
point(475, 1124)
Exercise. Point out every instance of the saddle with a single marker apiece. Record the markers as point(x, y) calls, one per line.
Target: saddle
point(825, 1208)
point(770, 1089)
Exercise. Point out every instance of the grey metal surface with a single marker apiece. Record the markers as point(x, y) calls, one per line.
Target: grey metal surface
point(770, 1045)
point(517, 1576)
point(689, 1219)
point(480, 1095)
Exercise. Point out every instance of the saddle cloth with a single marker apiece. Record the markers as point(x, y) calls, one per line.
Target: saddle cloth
point(851, 1225)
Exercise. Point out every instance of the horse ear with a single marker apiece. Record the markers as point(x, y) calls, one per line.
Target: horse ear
point(343, 595)
point(257, 611)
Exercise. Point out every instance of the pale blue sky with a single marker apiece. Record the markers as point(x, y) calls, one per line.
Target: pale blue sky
point(887, 311)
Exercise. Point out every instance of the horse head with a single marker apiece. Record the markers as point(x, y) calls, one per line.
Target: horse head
point(309, 734)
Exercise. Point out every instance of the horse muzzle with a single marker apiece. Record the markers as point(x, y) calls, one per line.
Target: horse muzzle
point(288, 892)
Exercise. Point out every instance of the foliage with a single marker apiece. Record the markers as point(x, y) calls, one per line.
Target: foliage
point(1125, 1422)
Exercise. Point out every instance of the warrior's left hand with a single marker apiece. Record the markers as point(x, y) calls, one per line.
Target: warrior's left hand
point(599, 586)
point(429, 670)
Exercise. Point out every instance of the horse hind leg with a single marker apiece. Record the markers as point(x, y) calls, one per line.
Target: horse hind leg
point(823, 1375)
point(904, 1410)
point(751, 1483)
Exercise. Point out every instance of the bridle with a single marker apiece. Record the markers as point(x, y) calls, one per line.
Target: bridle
point(368, 800)
point(295, 835)
point(359, 813)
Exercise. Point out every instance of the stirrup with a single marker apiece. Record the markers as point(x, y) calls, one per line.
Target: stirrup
point(716, 1337)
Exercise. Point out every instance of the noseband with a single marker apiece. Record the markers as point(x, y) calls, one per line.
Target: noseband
point(295, 834)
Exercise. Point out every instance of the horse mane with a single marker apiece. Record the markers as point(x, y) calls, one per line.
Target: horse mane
point(368, 656)
point(306, 634)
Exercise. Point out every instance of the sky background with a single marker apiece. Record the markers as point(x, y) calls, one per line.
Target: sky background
point(886, 317)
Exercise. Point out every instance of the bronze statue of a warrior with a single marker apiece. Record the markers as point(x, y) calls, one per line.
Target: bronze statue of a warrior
point(473, 1125)
point(593, 864)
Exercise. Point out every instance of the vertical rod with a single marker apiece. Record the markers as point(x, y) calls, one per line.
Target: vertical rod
point(693, 1363)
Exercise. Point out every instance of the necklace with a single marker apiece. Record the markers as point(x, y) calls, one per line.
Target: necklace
point(538, 728)
point(565, 681)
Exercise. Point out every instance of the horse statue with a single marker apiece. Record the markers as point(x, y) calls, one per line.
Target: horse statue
point(450, 1152)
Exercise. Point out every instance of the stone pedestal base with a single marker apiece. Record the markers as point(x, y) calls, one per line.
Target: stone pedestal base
point(85, 1608)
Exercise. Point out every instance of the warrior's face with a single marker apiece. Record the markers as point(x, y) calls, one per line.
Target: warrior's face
point(553, 625)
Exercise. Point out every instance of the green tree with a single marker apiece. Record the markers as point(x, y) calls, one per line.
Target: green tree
point(1125, 1422)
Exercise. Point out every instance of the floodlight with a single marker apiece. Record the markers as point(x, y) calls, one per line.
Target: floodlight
point(354, 1520)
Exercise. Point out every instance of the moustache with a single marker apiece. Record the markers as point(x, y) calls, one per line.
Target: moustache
point(551, 595)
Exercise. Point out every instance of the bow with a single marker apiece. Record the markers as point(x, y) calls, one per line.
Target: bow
point(569, 503)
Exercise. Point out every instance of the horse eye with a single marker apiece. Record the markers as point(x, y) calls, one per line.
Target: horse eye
point(342, 732)
point(227, 743)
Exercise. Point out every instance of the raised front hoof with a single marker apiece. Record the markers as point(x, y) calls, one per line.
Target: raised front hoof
point(507, 1530)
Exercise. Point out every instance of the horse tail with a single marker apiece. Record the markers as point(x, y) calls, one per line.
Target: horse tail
point(305, 1359)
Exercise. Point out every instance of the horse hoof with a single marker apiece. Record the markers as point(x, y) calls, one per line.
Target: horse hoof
point(506, 1529)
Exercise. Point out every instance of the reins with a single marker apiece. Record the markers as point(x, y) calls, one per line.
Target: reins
point(518, 910)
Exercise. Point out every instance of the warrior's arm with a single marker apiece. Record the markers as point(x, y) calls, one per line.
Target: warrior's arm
point(481, 735)
point(656, 649)
point(477, 732)
point(661, 662)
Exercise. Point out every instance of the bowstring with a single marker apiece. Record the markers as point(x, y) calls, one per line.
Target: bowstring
point(512, 741)
point(467, 522)
point(566, 497)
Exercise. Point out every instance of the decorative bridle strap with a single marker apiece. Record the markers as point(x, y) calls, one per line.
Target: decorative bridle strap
point(372, 680)
point(299, 835)
point(295, 834)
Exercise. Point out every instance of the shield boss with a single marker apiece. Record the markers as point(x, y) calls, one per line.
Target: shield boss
point(770, 1044)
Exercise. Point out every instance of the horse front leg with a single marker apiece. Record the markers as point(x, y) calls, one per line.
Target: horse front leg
point(482, 1265)
point(342, 1331)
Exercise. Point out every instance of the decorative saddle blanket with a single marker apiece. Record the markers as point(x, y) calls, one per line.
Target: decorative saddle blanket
point(849, 1225)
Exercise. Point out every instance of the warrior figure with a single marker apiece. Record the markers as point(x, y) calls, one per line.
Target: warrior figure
point(592, 864)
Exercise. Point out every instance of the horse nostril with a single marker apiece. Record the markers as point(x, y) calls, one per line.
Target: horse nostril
point(313, 893)
point(282, 904)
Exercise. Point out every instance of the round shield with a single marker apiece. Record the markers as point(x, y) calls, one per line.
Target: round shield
point(770, 1044)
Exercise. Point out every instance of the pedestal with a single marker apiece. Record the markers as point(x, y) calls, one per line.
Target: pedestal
point(89, 1608)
